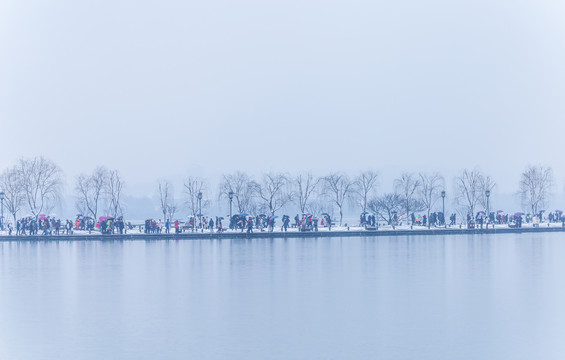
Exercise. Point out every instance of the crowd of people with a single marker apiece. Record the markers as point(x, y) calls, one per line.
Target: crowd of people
point(238, 222)
point(478, 220)
point(50, 225)
point(43, 225)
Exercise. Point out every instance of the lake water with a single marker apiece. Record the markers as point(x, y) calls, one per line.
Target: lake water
point(436, 297)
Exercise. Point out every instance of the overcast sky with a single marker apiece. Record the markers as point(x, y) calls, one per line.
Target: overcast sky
point(169, 88)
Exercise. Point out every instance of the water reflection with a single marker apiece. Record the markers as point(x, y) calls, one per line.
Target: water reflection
point(428, 297)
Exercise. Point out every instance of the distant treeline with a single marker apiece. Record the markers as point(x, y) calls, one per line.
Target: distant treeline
point(35, 186)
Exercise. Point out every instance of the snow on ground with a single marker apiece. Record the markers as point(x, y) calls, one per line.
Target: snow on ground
point(136, 230)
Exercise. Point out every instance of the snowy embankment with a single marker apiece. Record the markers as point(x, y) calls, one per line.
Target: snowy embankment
point(335, 231)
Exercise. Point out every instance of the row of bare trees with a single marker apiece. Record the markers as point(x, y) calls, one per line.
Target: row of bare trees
point(273, 192)
point(102, 189)
point(35, 185)
point(32, 184)
point(311, 194)
point(412, 193)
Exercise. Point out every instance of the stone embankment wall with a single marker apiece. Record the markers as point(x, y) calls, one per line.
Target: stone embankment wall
point(262, 235)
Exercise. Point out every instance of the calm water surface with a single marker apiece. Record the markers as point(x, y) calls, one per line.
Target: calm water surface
point(459, 297)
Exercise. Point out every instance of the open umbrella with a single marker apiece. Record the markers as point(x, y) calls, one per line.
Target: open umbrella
point(42, 216)
point(518, 214)
point(364, 213)
point(499, 211)
point(326, 214)
point(243, 214)
point(275, 217)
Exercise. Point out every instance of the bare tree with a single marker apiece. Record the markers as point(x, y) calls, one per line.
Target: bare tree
point(113, 192)
point(407, 186)
point(363, 186)
point(242, 187)
point(535, 186)
point(306, 186)
point(468, 189)
point(41, 183)
point(432, 185)
point(172, 207)
point(338, 189)
point(192, 187)
point(14, 196)
point(89, 190)
point(82, 190)
point(274, 191)
point(386, 206)
point(164, 197)
point(316, 207)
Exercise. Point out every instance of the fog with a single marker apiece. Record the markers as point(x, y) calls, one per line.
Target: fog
point(167, 89)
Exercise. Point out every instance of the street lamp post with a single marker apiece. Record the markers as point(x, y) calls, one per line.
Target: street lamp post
point(487, 193)
point(231, 199)
point(2, 214)
point(200, 210)
point(230, 195)
point(443, 207)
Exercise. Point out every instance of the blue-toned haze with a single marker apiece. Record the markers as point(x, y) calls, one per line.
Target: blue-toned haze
point(164, 89)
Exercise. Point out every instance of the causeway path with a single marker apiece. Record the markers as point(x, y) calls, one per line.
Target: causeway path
point(278, 234)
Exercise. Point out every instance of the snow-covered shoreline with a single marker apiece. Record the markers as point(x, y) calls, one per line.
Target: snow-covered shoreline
point(336, 231)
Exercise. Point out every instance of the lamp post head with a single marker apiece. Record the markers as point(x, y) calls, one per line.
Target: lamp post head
point(487, 193)
point(199, 196)
point(230, 195)
point(443, 194)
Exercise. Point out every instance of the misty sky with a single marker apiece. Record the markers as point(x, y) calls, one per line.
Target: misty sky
point(170, 88)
